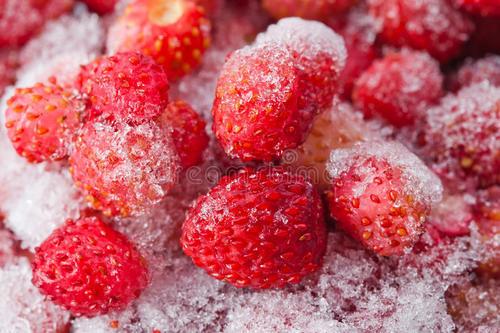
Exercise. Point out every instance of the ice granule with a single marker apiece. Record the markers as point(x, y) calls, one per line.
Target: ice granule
point(419, 180)
point(123, 322)
point(23, 308)
point(61, 48)
point(35, 198)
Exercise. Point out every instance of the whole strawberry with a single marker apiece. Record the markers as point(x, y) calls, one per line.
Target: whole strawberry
point(258, 229)
point(128, 86)
point(256, 112)
point(431, 25)
point(42, 121)
point(89, 268)
point(400, 87)
point(188, 132)
point(175, 33)
point(381, 195)
point(122, 169)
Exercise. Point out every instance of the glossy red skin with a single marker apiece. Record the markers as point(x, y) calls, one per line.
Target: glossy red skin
point(411, 23)
point(271, 122)
point(386, 90)
point(258, 229)
point(42, 121)
point(128, 87)
point(101, 6)
point(188, 132)
point(379, 215)
point(485, 8)
point(21, 20)
point(311, 10)
point(89, 268)
point(124, 170)
point(178, 46)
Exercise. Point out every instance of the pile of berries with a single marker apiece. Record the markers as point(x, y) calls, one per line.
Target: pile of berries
point(364, 117)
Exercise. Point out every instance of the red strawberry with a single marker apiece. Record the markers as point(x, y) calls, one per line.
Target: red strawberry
point(101, 6)
point(128, 86)
point(381, 195)
point(89, 268)
point(481, 7)
point(476, 71)
point(430, 25)
point(8, 65)
point(21, 20)
point(319, 55)
point(453, 215)
point(461, 136)
point(122, 169)
point(174, 32)
point(210, 6)
point(42, 121)
point(258, 229)
point(307, 9)
point(399, 87)
point(256, 113)
point(189, 135)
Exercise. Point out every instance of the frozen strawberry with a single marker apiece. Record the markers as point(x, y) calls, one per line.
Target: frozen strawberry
point(42, 121)
point(312, 10)
point(189, 135)
point(431, 25)
point(128, 86)
point(258, 229)
point(476, 71)
point(488, 222)
point(319, 54)
point(175, 33)
point(481, 7)
point(210, 6)
point(381, 195)
point(339, 127)
point(101, 6)
point(399, 87)
point(358, 29)
point(89, 268)
point(461, 136)
point(124, 170)
point(256, 113)
point(21, 20)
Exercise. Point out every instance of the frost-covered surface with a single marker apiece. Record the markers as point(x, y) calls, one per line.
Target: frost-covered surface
point(355, 291)
point(418, 179)
point(23, 308)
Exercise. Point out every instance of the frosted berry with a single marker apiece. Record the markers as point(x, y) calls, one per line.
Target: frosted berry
point(481, 7)
point(124, 170)
point(128, 86)
point(188, 132)
point(381, 195)
point(431, 25)
point(89, 268)
point(42, 121)
point(399, 87)
point(256, 112)
point(175, 33)
point(461, 136)
point(258, 229)
point(476, 71)
point(319, 55)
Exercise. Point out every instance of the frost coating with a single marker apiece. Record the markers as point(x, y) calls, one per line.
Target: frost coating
point(418, 179)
